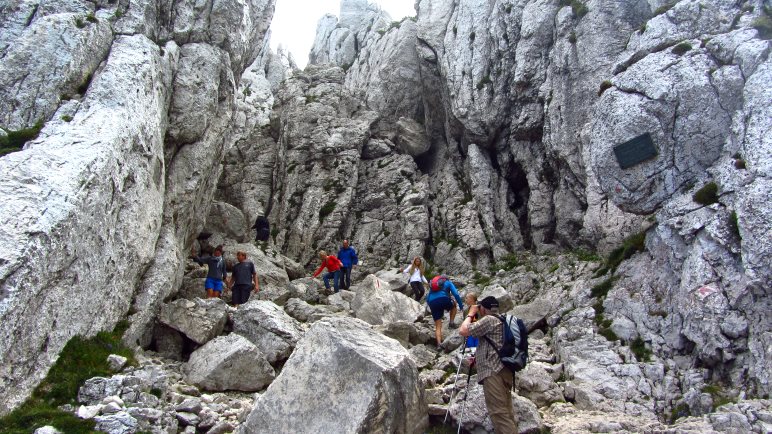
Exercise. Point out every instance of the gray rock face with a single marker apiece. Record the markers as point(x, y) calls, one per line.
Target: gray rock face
point(268, 327)
point(229, 363)
point(108, 95)
point(200, 320)
point(366, 379)
point(376, 304)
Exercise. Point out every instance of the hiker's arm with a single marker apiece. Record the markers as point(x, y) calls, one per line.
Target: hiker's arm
point(257, 283)
point(464, 329)
point(356, 258)
point(455, 294)
point(319, 270)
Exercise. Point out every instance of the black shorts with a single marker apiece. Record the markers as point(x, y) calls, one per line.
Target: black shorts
point(439, 306)
point(241, 293)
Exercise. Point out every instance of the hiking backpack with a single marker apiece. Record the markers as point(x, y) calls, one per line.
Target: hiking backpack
point(514, 351)
point(438, 283)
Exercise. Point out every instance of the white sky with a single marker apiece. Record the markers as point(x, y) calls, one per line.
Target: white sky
point(294, 22)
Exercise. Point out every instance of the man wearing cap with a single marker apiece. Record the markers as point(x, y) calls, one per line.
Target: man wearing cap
point(495, 378)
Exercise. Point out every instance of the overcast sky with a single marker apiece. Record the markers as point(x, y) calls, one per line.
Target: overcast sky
point(294, 22)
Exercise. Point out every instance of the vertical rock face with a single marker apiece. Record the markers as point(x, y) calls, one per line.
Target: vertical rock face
point(521, 105)
point(99, 208)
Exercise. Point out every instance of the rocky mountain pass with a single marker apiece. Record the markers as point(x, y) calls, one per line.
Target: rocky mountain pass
point(601, 168)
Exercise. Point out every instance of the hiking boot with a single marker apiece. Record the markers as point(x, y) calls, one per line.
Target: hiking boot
point(452, 325)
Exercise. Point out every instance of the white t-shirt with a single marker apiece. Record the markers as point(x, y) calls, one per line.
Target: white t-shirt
point(416, 277)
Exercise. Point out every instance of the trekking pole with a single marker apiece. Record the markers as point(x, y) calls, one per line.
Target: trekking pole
point(460, 361)
point(466, 395)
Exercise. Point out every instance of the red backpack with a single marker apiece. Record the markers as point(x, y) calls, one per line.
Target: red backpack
point(438, 283)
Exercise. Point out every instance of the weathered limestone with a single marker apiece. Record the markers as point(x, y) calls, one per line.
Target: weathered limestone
point(343, 377)
point(229, 363)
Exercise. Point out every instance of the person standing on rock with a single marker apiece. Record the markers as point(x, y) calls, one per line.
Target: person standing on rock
point(333, 265)
point(348, 256)
point(417, 279)
point(243, 279)
point(439, 301)
point(496, 379)
point(216, 274)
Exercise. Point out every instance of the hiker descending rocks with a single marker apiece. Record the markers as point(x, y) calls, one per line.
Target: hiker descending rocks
point(439, 301)
point(348, 256)
point(243, 279)
point(495, 378)
point(333, 265)
point(216, 274)
point(417, 280)
point(262, 228)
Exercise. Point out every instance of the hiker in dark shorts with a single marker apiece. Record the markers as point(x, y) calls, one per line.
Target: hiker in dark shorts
point(439, 301)
point(216, 274)
point(243, 279)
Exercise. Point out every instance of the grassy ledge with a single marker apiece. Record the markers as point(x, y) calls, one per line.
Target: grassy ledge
point(80, 360)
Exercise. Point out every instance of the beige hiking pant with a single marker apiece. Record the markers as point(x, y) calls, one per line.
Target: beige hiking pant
point(498, 399)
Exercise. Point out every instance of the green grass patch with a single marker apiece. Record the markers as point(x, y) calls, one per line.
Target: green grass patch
point(80, 360)
point(663, 9)
point(631, 245)
point(481, 279)
point(679, 411)
point(67, 118)
point(14, 140)
point(326, 210)
point(763, 25)
point(734, 225)
point(510, 261)
point(91, 18)
point(707, 195)
point(682, 48)
point(638, 347)
point(586, 255)
point(483, 81)
point(601, 290)
point(578, 8)
point(605, 85)
point(572, 37)
point(553, 268)
point(718, 395)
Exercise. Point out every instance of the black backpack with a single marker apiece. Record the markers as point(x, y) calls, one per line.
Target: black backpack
point(514, 352)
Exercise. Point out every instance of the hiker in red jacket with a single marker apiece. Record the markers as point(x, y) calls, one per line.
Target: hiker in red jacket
point(333, 265)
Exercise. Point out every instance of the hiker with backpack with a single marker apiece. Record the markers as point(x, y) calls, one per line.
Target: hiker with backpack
point(333, 265)
point(417, 281)
point(439, 301)
point(498, 337)
point(347, 256)
point(216, 274)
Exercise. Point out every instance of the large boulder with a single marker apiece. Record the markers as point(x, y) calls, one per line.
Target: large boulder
point(229, 363)
point(201, 320)
point(470, 412)
point(268, 327)
point(343, 377)
point(377, 304)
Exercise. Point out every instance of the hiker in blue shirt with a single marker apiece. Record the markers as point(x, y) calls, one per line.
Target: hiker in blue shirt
point(439, 301)
point(348, 256)
point(216, 274)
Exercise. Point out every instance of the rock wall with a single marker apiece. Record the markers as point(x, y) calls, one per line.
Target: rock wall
point(99, 210)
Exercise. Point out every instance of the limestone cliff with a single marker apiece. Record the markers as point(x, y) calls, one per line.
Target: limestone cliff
point(136, 98)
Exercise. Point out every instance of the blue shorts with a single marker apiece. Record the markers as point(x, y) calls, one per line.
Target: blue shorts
point(439, 306)
point(212, 283)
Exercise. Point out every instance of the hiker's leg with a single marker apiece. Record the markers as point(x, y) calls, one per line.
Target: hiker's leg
point(498, 400)
point(343, 278)
point(209, 292)
point(419, 289)
point(438, 331)
point(336, 280)
point(326, 280)
point(453, 311)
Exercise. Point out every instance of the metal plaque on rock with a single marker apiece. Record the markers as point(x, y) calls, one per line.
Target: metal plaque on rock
point(634, 151)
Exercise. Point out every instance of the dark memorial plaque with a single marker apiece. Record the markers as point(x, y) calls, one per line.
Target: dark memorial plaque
point(634, 151)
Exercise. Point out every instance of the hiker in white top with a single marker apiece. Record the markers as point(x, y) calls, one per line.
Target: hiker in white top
point(417, 280)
